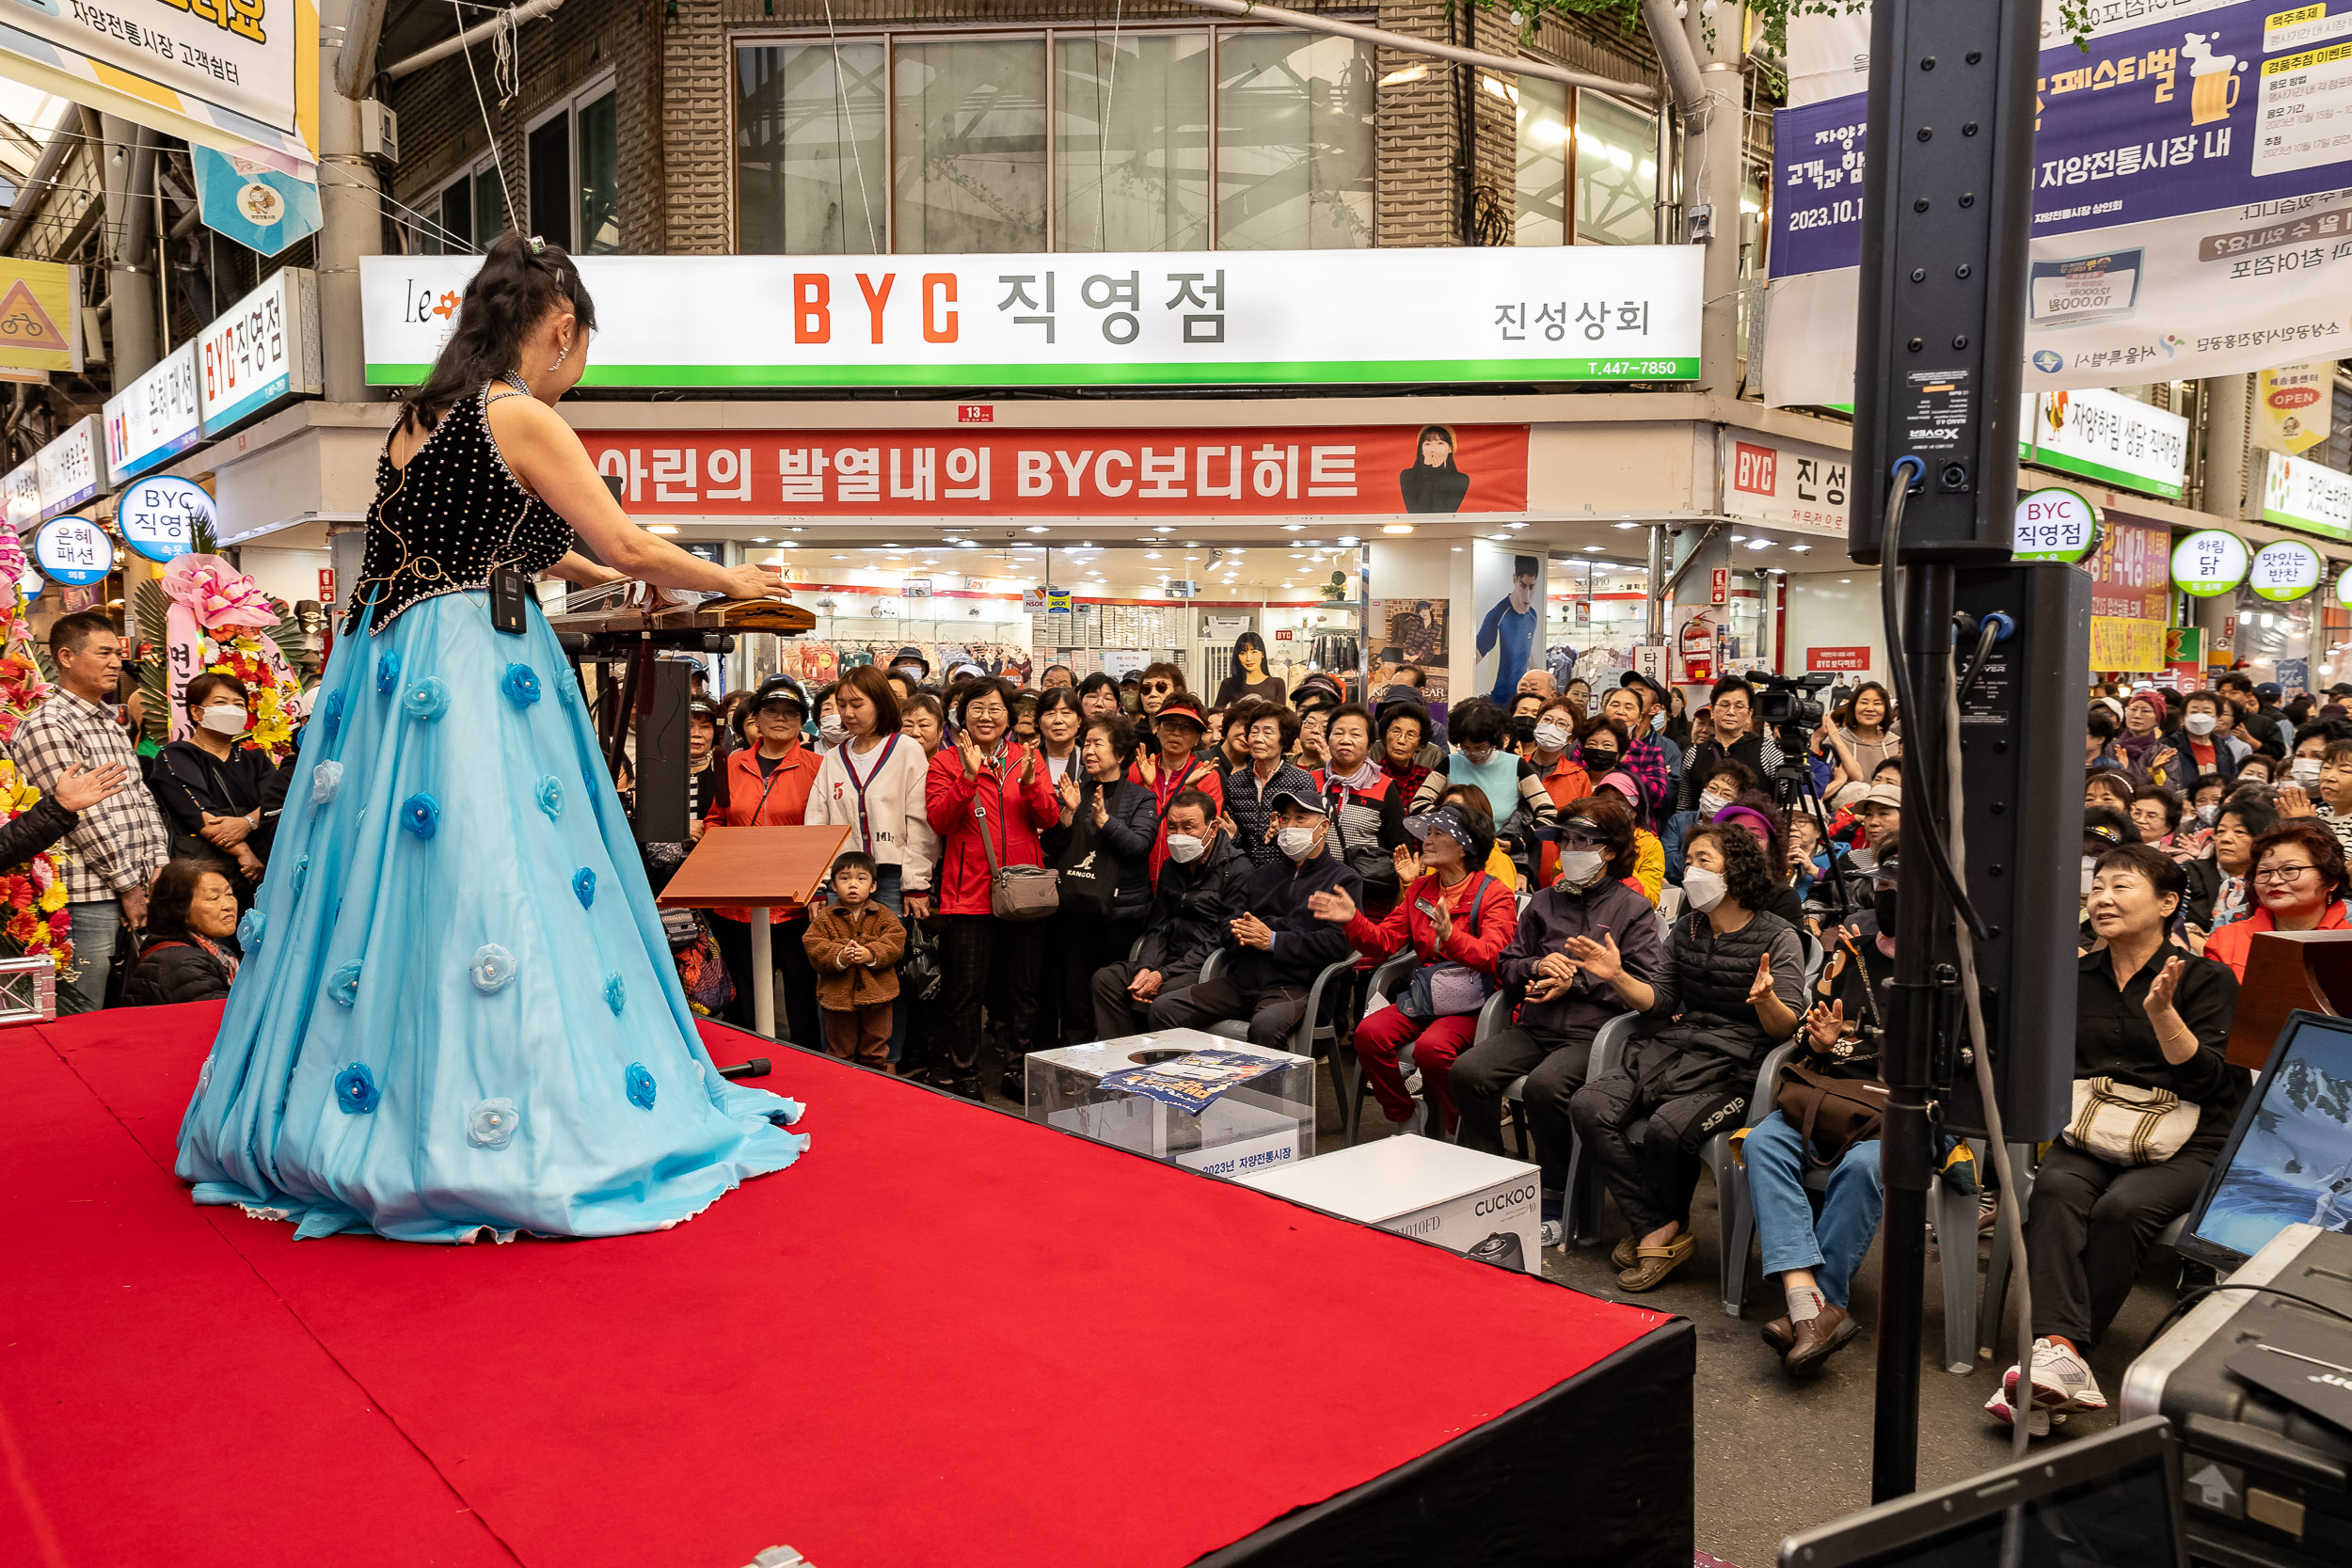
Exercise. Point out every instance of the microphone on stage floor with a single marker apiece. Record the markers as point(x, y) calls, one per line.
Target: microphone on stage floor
point(755, 1067)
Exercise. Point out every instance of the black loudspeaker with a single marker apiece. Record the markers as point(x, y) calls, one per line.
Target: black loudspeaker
point(1950, 184)
point(2022, 813)
point(661, 765)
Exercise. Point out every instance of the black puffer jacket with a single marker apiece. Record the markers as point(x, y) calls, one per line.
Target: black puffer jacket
point(35, 830)
point(171, 970)
point(1713, 1039)
point(1195, 908)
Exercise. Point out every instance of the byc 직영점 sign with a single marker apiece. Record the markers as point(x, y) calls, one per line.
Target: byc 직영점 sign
point(1623, 313)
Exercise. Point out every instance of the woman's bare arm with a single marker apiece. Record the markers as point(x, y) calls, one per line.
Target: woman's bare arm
point(547, 456)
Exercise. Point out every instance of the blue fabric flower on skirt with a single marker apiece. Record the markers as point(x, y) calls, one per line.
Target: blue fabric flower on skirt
point(491, 1124)
point(427, 700)
point(301, 872)
point(355, 1090)
point(492, 967)
point(615, 994)
point(331, 716)
point(344, 985)
point(250, 932)
point(326, 778)
point(388, 673)
point(420, 813)
point(521, 685)
point(551, 793)
point(567, 690)
point(584, 884)
point(639, 1086)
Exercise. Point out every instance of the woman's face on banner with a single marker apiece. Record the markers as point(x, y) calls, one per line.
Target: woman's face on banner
point(1434, 451)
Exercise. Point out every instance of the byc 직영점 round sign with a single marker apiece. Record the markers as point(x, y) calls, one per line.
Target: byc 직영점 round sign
point(159, 516)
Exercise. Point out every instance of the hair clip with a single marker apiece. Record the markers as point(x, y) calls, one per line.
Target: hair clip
point(538, 245)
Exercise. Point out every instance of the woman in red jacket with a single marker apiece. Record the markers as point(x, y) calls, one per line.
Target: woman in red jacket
point(986, 776)
point(1458, 919)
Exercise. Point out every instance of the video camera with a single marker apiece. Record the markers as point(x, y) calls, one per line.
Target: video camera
point(1787, 702)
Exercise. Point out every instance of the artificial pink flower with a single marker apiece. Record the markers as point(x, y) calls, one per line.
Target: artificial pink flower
point(216, 593)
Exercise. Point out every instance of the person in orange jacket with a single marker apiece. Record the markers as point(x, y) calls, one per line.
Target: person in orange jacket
point(1458, 919)
point(767, 785)
point(987, 783)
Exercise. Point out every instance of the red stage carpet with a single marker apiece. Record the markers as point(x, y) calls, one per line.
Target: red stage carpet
point(945, 1337)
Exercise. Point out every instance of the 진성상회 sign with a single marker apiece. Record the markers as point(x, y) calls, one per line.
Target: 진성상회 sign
point(1620, 313)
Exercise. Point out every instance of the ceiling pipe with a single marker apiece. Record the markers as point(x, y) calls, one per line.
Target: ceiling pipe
point(1676, 58)
point(35, 191)
point(514, 16)
point(1504, 64)
point(363, 29)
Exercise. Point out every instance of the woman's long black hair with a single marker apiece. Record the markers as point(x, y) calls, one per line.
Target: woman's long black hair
point(513, 292)
point(1442, 434)
point(1249, 639)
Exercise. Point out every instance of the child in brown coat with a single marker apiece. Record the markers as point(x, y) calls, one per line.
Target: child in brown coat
point(854, 944)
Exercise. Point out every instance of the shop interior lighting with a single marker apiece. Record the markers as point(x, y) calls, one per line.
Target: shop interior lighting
point(1592, 546)
point(1294, 527)
point(759, 538)
point(1738, 538)
point(1759, 544)
point(1515, 525)
point(656, 528)
point(1344, 538)
point(1624, 525)
point(1799, 549)
point(1396, 527)
point(1037, 528)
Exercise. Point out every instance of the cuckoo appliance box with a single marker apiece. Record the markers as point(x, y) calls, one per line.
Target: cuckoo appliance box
point(2258, 1387)
point(1481, 1205)
point(1265, 1122)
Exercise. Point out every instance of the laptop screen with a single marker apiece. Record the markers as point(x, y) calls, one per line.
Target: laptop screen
point(2124, 1519)
point(2291, 1161)
point(2112, 1498)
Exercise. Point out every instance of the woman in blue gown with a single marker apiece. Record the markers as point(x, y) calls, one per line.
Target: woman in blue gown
point(457, 1013)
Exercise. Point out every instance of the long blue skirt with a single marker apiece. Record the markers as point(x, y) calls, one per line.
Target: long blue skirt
point(458, 1012)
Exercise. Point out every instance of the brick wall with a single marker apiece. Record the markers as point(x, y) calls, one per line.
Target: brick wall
point(676, 108)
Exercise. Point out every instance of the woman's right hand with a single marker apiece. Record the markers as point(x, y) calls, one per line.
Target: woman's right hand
point(1334, 906)
point(2292, 801)
point(972, 761)
point(1600, 959)
point(1407, 864)
point(1825, 1025)
point(752, 580)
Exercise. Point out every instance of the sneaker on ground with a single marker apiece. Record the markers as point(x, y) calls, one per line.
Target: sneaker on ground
point(1413, 1082)
point(1551, 1233)
point(2062, 1380)
point(2038, 1419)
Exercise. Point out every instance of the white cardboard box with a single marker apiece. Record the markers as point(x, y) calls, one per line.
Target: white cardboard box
point(1482, 1205)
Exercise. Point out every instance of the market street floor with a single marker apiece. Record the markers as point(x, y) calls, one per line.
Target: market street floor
point(1746, 1407)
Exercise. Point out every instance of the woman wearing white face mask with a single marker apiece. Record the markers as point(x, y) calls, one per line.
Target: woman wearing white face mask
point(1564, 1004)
point(210, 787)
point(1564, 777)
point(1729, 989)
point(2203, 746)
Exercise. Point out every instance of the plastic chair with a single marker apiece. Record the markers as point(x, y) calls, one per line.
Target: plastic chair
point(1996, 1272)
point(1583, 1195)
point(1313, 1034)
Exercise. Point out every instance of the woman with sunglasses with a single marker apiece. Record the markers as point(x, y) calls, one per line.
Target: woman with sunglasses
point(2299, 884)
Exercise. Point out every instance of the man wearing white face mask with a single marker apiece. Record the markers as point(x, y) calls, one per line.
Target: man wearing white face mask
point(1564, 1007)
point(210, 788)
point(1276, 946)
point(1193, 908)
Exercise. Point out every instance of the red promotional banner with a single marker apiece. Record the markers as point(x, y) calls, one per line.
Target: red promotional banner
point(1390, 472)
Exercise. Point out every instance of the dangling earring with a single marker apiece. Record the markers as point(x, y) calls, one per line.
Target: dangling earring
point(561, 358)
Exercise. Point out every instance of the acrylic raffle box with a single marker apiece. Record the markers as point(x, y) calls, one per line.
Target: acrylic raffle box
point(1481, 1205)
point(1267, 1123)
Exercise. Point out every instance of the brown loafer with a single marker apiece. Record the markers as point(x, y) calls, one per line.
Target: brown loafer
point(1781, 1335)
point(1818, 1337)
point(1652, 1264)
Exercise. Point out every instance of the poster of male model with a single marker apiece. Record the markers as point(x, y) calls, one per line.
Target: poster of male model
point(1509, 590)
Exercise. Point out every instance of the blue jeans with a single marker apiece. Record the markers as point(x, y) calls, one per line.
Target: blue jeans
point(93, 924)
point(1831, 1245)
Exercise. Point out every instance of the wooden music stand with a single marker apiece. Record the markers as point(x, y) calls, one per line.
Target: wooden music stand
point(762, 869)
point(2286, 970)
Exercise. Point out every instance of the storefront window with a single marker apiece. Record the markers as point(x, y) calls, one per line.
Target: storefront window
point(1542, 161)
point(967, 116)
point(969, 162)
point(2274, 639)
point(811, 175)
point(1616, 172)
point(489, 207)
point(1293, 141)
point(1131, 142)
point(600, 176)
point(1596, 615)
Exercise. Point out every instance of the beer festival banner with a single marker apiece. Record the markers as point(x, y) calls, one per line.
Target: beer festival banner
point(1607, 313)
point(2192, 201)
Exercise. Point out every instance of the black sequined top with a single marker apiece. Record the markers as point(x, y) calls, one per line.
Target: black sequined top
point(440, 523)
